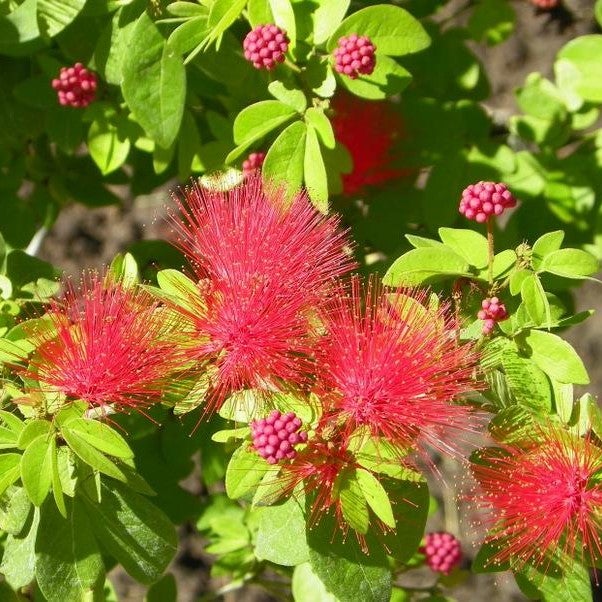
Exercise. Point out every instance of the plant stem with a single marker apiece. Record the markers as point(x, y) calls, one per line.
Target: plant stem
point(490, 248)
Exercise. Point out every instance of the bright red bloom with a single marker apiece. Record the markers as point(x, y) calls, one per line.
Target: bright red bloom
point(543, 497)
point(110, 346)
point(391, 364)
point(267, 261)
point(370, 131)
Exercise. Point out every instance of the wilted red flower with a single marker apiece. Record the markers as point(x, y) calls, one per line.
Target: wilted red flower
point(542, 497)
point(267, 261)
point(370, 131)
point(108, 345)
point(391, 364)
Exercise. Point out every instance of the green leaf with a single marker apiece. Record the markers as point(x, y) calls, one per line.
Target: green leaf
point(102, 437)
point(9, 470)
point(411, 503)
point(36, 468)
point(582, 53)
point(425, 265)
point(68, 562)
point(492, 21)
point(243, 406)
point(388, 78)
point(280, 534)
point(345, 570)
point(134, 531)
point(482, 562)
point(57, 485)
point(244, 473)
point(563, 400)
point(317, 119)
point(284, 17)
point(9, 434)
point(222, 14)
point(15, 510)
point(91, 456)
point(376, 496)
point(468, 244)
point(284, 162)
point(259, 12)
point(124, 270)
point(556, 357)
point(257, 120)
point(20, 26)
point(548, 243)
point(154, 82)
point(353, 502)
point(572, 584)
point(165, 590)
point(570, 263)
point(55, 15)
point(327, 17)
point(189, 34)
point(33, 429)
point(179, 287)
point(393, 30)
point(503, 263)
point(108, 146)
point(19, 558)
point(289, 95)
point(308, 587)
point(314, 170)
point(527, 383)
point(535, 300)
point(227, 435)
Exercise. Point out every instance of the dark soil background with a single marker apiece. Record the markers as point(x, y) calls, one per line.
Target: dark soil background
point(91, 237)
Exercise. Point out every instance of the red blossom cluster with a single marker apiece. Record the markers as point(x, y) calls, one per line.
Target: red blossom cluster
point(543, 495)
point(270, 311)
point(108, 345)
point(370, 132)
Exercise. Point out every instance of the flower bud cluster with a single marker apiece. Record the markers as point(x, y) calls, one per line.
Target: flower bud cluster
point(354, 56)
point(253, 162)
point(443, 552)
point(75, 86)
point(275, 437)
point(482, 200)
point(491, 311)
point(266, 46)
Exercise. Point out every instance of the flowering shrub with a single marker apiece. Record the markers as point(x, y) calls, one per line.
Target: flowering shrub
point(318, 400)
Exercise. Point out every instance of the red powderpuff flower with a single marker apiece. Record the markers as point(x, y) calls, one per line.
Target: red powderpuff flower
point(110, 346)
point(319, 467)
point(388, 363)
point(541, 498)
point(369, 130)
point(268, 261)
